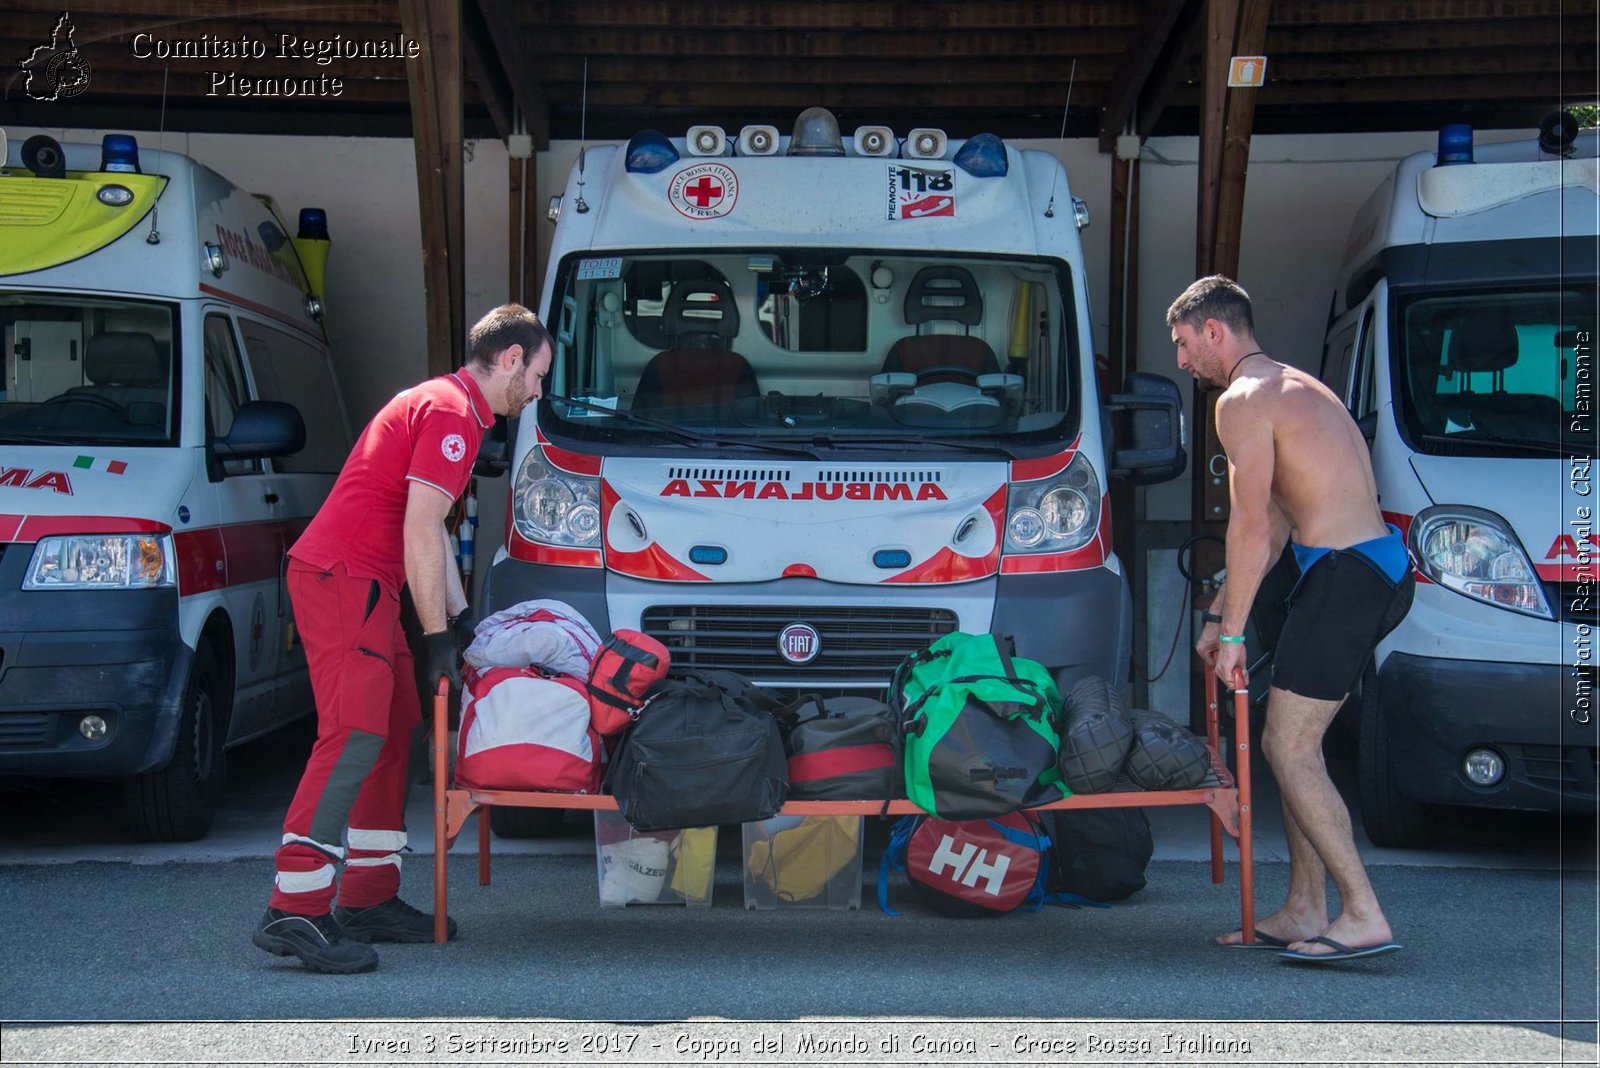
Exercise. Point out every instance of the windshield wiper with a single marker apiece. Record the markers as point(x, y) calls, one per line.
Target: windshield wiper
point(690, 436)
point(828, 441)
point(1523, 444)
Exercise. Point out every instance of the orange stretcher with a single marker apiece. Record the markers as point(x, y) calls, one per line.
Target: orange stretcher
point(1226, 794)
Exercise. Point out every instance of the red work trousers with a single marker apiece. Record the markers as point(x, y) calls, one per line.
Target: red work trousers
point(350, 804)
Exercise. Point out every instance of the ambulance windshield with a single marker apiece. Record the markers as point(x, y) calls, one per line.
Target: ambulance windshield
point(814, 344)
point(1504, 372)
point(85, 370)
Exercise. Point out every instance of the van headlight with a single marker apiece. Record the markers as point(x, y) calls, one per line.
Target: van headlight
point(1055, 514)
point(1474, 553)
point(102, 562)
point(553, 507)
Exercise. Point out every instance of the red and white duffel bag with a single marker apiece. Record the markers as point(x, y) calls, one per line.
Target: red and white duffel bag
point(543, 633)
point(525, 730)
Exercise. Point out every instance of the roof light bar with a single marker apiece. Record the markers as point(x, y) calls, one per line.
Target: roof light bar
point(816, 133)
point(649, 152)
point(983, 156)
point(119, 153)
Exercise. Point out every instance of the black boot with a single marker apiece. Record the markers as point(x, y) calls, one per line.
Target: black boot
point(316, 940)
point(392, 921)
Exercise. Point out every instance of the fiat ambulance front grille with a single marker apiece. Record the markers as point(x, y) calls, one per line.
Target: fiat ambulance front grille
point(24, 730)
point(855, 642)
point(1573, 602)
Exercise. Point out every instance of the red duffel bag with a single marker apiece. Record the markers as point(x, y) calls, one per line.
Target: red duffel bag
point(524, 730)
point(628, 665)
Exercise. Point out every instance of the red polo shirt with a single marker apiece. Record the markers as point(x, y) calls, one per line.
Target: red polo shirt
point(428, 434)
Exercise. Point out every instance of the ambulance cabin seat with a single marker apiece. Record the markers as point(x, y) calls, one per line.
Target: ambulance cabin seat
point(701, 369)
point(943, 294)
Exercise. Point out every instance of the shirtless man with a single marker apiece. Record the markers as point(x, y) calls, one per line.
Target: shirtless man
point(1299, 475)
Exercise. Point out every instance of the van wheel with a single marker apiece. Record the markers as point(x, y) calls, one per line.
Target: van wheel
point(176, 803)
point(1390, 818)
point(508, 821)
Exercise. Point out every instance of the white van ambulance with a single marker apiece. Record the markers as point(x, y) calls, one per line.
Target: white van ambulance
point(819, 399)
point(169, 422)
point(1463, 343)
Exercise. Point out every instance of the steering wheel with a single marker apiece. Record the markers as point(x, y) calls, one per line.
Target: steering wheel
point(948, 369)
point(93, 399)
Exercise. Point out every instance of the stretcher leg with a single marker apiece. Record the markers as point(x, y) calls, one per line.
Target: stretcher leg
point(1247, 855)
point(441, 842)
point(483, 845)
point(1212, 739)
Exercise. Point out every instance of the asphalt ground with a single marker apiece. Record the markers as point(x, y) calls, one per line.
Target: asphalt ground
point(1499, 927)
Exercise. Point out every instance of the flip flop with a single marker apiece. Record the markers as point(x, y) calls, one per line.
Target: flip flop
point(1263, 941)
point(1340, 951)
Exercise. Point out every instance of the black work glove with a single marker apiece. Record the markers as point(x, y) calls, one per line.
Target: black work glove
point(464, 628)
point(440, 660)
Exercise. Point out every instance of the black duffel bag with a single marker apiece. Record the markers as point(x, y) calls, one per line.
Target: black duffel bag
point(1100, 853)
point(842, 749)
point(704, 750)
point(1165, 756)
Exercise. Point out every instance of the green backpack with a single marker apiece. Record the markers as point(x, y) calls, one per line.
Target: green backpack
point(980, 728)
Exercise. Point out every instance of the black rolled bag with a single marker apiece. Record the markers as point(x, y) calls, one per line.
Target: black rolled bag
point(1096, 735)
point(1165, 756)
point(704, 750)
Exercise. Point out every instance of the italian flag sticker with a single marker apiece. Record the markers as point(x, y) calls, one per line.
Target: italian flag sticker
point(96, 463)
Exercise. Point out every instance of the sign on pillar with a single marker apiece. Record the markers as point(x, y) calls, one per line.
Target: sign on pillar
point(1247, 72)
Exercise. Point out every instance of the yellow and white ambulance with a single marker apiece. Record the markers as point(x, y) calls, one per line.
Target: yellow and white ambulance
point(820, 398)
point(169, 421)
point(1463, 344)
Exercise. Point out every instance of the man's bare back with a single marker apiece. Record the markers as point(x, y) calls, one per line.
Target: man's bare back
point(1322, 481)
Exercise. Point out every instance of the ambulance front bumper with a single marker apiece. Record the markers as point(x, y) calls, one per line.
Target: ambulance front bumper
point(66, 655)
point(1535, 716)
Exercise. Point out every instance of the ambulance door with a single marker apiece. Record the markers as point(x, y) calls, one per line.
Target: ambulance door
point(287, 366)
point(251, 540)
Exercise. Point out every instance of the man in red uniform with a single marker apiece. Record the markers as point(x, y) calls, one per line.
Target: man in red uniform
point(382, 527)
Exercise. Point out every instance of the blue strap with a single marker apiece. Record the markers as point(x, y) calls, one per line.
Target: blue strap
point(894, 858)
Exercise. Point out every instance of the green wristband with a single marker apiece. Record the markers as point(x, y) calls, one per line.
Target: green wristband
point(1230, 637)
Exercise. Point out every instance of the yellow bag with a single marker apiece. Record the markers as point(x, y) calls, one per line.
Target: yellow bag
point(697, 860)
point(798, 863)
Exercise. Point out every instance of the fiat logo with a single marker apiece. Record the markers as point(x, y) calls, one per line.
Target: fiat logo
point(799, 643)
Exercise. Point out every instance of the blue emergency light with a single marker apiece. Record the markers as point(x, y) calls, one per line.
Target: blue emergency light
point(649, 151)
point(983, 156)
point(1455, 144)
point(313, 225)
point(708, 554)
point(119, 153)
point(891, 559)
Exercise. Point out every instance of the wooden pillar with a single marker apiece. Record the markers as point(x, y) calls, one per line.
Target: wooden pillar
point(435, 84)
point(1231, 27)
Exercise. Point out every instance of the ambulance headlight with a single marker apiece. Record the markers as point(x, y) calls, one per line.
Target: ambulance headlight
point(1474, 553)
point(1056, 514)
point(553, 507)
point(102, 562)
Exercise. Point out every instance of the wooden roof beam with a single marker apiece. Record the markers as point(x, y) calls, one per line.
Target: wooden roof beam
point(484, 63)
point(1150, 41)
point(509, 42)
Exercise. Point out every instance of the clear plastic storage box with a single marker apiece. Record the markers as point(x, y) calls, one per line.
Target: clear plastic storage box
point(655, 867)
point(803, 862)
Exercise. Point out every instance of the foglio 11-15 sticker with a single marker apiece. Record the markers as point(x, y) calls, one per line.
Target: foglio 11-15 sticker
point(704, 191)
point(921, 192)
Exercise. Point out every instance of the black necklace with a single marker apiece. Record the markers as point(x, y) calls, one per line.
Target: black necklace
point(1243, 358)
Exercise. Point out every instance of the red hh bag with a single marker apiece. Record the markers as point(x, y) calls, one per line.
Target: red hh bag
point(523, 730)
point(628, 665)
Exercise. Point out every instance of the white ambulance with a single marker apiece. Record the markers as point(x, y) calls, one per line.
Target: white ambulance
point(169, 422)
point(1463, 343)
point(819, 399)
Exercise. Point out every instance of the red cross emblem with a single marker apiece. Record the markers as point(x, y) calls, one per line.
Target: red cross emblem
point(703, 192)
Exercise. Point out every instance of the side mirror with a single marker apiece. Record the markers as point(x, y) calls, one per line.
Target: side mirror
point(1147, 428)
point(260, 431)
point(494, 451)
